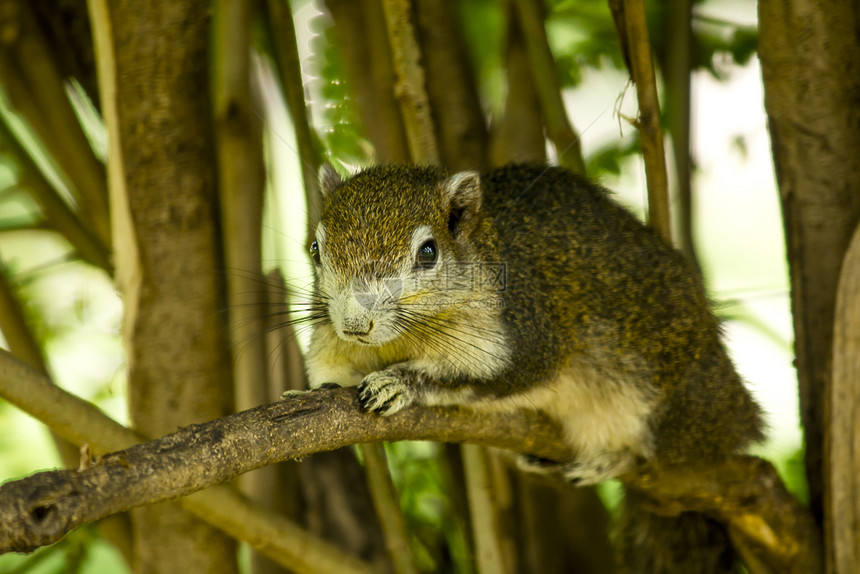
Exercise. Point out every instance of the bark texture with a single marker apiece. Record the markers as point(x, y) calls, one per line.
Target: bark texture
point(410, 87)
point(164, 206)
point(810, 56)
point(842, 443)
point(630, 22)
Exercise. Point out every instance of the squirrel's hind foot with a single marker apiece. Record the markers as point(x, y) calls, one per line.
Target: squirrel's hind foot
point(584, 470)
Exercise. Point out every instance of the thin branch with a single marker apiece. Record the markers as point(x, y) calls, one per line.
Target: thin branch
point(37, 92)
point(744, 491)
point(410, 88)
point(484, 510)
point(676, 78)
point(418, 116)
point(22, 342)
point(271, 534)
point(360, 29)
point(387, 508)
point(13, 324)
point(411, 93)
point(57, 213)
point(545, 78)
point(241, 179)
point(629, 16)
point(517, 136)
point(70, 417)
point(24, 345)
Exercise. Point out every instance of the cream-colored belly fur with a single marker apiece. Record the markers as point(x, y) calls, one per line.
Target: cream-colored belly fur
point(596, 414)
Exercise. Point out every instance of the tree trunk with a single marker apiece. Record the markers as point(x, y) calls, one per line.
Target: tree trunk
point(810, 55)
point(153, 64)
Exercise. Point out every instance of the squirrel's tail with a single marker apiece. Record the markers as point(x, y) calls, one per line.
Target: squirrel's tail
point(687, 543)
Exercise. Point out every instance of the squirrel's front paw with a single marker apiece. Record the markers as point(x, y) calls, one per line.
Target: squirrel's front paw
point(385, 392)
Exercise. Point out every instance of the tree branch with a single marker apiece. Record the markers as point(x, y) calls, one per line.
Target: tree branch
point(744, 491)
point(411, 90)
point(56, 211)
point(46, 505)
point(36, 90)
point(517, 136)
point(362, 37)
point(387, 506)
point(629, 16)
point(567, 143)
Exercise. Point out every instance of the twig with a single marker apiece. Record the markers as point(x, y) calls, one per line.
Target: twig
point(632, 29)
point(545, 78)
point(387, 508)
point(484, 509)
point(360, 30)
point(676, 79)
point(13, 324)
point(518, 135)
point(271, 534)
point(241, 179)
point(410, 87)
point(459, 122)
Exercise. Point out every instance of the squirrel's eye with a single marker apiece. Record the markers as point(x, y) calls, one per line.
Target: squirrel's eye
point(427, 255)
point(315, 252)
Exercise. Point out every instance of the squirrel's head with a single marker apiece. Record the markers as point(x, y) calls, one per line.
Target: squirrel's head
point(395, 247)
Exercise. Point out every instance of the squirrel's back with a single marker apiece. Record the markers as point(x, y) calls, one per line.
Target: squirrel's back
point(597, 286)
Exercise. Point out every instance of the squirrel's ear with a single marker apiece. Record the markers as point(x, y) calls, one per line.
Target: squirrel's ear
point(463, 191)
point(328, 179)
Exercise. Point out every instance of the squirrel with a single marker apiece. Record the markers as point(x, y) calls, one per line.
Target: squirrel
point(528, 287)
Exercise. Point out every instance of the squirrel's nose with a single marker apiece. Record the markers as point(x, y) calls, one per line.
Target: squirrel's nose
point(357, 327)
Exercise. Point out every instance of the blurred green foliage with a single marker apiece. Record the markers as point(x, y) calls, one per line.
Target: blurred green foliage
point(439, 536)
point(81, 552)
point(339, 125)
